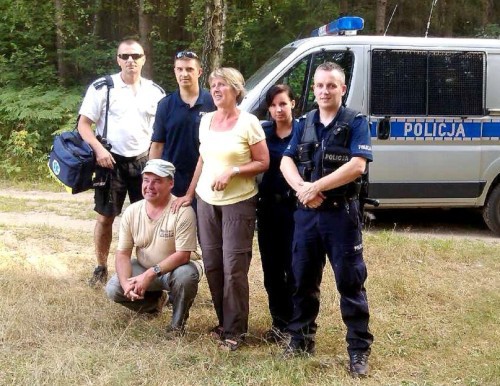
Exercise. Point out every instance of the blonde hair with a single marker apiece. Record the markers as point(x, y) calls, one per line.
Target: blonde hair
point(233, 78)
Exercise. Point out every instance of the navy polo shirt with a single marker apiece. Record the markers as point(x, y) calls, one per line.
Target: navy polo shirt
point(273, 181)
point(359, 143)
point(177, 126)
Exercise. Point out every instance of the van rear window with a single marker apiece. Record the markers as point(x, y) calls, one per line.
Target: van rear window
point(408, 82)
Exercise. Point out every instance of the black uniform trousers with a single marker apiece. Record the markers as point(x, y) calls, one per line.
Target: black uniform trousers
point(336, 232)
point(275, 234)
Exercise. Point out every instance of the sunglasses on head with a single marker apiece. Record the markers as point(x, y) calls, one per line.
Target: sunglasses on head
point(133, 56)
point(186, 54)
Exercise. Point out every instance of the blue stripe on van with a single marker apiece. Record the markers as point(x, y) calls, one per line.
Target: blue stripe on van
point(439, 129)
point(491, 129)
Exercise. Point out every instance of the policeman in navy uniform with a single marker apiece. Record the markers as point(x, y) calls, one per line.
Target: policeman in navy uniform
point(176, 128)
point(324, 164)
point(275, 210)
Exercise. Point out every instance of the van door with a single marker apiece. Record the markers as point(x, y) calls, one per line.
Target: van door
point(426, 110)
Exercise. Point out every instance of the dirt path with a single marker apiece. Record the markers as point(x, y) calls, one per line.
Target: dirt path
point(47, 217)
point(416, 223)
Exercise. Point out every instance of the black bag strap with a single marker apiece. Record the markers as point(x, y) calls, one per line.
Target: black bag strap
point(109, 85)
point(108, 82)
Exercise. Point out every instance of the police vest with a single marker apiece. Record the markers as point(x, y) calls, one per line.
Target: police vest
point(318, 159)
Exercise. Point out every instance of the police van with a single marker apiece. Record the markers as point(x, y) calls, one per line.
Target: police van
point(433, 106)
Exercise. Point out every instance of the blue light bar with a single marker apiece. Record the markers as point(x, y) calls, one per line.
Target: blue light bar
point(341, 26)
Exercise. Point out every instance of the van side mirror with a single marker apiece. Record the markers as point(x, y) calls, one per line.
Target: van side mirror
point(384, 128)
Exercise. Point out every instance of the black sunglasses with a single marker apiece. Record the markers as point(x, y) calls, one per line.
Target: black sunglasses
point(133, 56)
point(186, 54)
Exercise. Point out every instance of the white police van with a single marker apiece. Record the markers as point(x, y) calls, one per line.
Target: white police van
point(433, 105)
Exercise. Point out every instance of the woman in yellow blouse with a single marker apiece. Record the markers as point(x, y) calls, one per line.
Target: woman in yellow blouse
point(233, 151)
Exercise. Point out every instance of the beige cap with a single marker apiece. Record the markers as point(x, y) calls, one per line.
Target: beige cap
point(159, 167)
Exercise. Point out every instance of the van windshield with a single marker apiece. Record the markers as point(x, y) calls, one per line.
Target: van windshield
point(272, 63)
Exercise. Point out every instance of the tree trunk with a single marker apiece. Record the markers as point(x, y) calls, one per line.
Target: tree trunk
point(96, 28)
point(380, 17)
point(62, 70)
point(487, 12)
point(144, 31)
point(213, 45)
point(344, 7)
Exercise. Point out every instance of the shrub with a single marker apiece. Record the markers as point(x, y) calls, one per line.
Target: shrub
point(28, 120)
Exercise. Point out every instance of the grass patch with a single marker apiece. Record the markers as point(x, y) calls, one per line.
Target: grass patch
point(435, 306)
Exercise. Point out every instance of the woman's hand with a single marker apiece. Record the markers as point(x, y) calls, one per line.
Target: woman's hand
point(181, 201)
point(221, 182)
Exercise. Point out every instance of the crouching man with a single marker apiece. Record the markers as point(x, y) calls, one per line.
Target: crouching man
point(164, 243)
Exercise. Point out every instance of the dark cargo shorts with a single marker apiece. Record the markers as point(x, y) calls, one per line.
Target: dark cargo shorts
point(125, 178)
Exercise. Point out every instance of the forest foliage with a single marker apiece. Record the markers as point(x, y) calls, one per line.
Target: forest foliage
point(50, 51)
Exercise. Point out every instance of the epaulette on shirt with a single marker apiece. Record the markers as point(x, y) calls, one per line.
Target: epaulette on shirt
point(104, 81)
point(266, 124)
point(159, 88)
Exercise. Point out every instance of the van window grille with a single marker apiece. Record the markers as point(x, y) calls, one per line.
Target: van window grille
point(405, 82)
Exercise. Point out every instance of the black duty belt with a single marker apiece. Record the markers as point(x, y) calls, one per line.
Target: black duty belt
point(121, 159)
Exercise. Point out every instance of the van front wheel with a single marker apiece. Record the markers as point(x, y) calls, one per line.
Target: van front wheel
point(491, 210)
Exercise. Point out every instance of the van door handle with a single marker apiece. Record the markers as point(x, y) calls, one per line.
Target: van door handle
point(384, 128)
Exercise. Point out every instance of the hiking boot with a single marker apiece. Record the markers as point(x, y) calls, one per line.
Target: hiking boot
point(358, 364)
point(100, 276)
point(296, 348)
point(275, 335)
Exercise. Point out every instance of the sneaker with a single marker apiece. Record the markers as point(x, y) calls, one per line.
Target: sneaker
point(296, 348)
point(358, 364)
point(174, 332)
point(275, 335)
point(100, 276)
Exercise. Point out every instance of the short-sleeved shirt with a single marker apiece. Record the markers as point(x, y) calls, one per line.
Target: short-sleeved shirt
point(154, 240)
point(177, 126)
point(131, 116)
point(273, 181)
point(220, 150)
point(359, 143)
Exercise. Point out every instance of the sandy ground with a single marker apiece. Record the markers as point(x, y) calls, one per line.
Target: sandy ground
point(49, 218)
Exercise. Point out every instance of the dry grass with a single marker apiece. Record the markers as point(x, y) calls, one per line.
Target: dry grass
point(435, 307)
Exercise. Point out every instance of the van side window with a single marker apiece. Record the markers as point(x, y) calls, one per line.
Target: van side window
point(405, 82)
point(301, 76)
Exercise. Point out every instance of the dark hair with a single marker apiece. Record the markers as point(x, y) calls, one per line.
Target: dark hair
point(278, 89)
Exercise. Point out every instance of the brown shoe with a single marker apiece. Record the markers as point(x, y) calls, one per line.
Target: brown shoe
point(217, 332)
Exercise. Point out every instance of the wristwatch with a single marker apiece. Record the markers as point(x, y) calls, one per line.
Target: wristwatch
point(236, 170)
point(157, 270)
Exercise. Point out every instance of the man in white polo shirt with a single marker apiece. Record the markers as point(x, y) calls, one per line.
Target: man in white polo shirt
point(165, 245)
point(132, 108)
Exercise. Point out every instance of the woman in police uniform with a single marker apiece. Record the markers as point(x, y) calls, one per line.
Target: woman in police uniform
point(275, 213)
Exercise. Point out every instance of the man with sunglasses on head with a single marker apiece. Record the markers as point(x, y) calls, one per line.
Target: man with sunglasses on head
point(120, 156)
point(175, 133)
